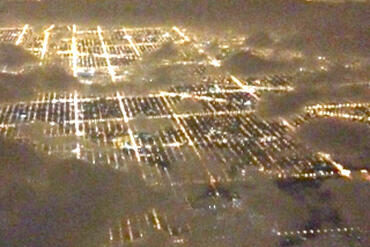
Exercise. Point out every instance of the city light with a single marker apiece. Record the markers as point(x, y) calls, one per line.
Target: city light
point(182, 123)
point(45, 43)
point(106, 55)
point(20, 38)
point(74, 51)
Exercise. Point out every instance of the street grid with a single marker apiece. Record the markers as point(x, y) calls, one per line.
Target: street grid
point(220, 140)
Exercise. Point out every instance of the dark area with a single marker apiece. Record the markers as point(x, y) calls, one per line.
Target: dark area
point(246, 63)
point(14, 56)
point(49, 201)
point(336, 84)
point(348, 142)
point(35, 81)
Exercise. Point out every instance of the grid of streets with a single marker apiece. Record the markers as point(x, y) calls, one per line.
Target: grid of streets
point(219, 139)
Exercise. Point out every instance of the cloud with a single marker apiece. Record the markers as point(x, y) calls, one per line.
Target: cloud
point(337, 84)
point(299, 205)
point(273, 106)
point(48, 201)
point(14, 56)
point(331, 204)
point(24, 86)
point(154, 71)
point(248, 215)
point(166, 51)
point(259, 39)
point(332, 240)
point(247, 63)
point(151, 126)
point(52, 202)
point(145, 78)
point(349, 199)
point(325, 43)
point(221, 15)
point(348, 142)
point(339, 204)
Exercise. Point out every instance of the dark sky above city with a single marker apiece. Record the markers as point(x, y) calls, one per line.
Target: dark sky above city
point(52, 201)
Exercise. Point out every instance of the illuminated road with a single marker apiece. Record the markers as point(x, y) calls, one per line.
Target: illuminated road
point(133, 45)
point(180, 124)
point(217, 63)
point(250, 90)
point(126, 120)
point(45, 43)
point(318, 231)
point(74, 51)
point(357, 111)
point(211, 60)
point(106, 55)
point(130, 132)
point(20, 38)
point(76, 115)
point(193, 96)
point(342, 171)
point(182, 34)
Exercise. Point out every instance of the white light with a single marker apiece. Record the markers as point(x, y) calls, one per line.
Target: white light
point(215, 62)
point(46, 40)
point(129, 38)
point(20, 38)
point(106, 55)
point(74, 51)
point(186, 38)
